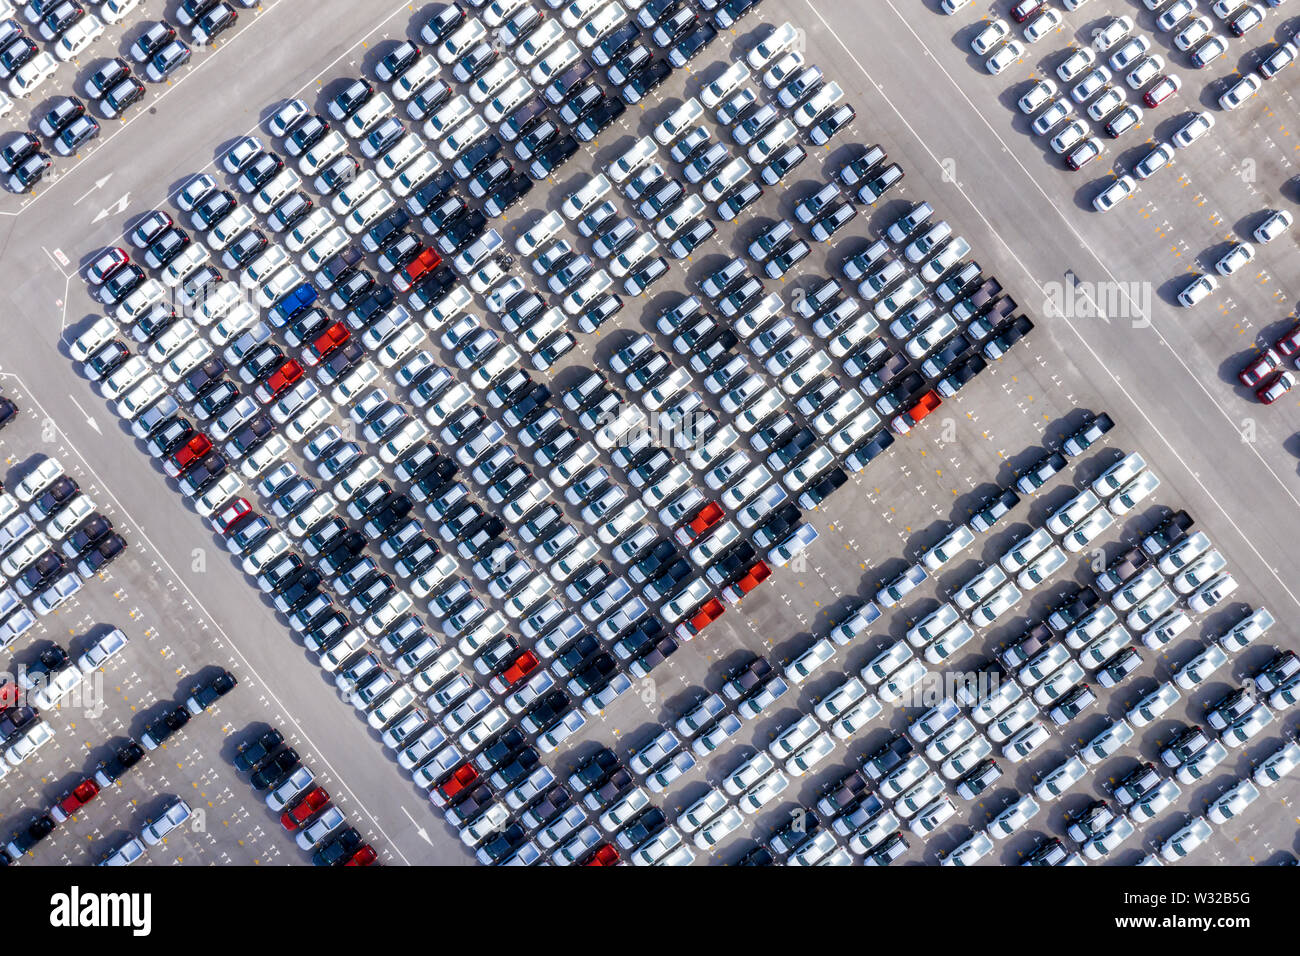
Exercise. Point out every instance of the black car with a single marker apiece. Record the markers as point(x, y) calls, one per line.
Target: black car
point(507, 195)
point(961, 376)
point(116, 100)
point(601, 117)
point(646, 79)
point(371, 307)
point(339, 849)
point(822, 487)
point(553, 157)
point(982, 776)
point(276, 768)
point(261, 169)
point(642, 827)
point(41, 572)
point(14, 720)
point(693, 44)
point(123, 759)
point(19, 148)
point(306, 133)
point(253, 752)
point(18, 52)
point(615, 45)
point(204, 695)
point(36, 831)
point(351, 287)
point(387, 231)
point(88, 533)
point(497, 849)
point(397, 61)
point(431, 193)
point(795, 446)
point(101, 554)
point(207, 376)
point(247, 246)
point(1170, 531)
point(167, 724)
point(443, 23)
point(29, 172)
point(500, 749)
point(1007, 334)
point(350, 99)
point(993, 509)
point(168, 60)
point(477, 157)
point(746, 677)
point(337, 174)
point(215, 206)
point(463, 231)
point(568, 81)
point(1069, 609)
point(1036, 639)
point(594, 674)
point(60, 491)
point(886, 757)
point(518, 768)
point(594, 770)
point(781, 522)
point(217, 396)
point(215, 22)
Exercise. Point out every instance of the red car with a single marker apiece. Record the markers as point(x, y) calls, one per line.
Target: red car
point(1275, 387)
point(188, 455)
point(325, 343)
point(230, 515)
point(521, 667)
point(604, 855)
point(752, 579)
point(1289, 344)
point(1164, 88)
point(1265, 365)
point(8, 695)
point(460, 778)
point(417, 269)
point(108, 262)
point(1024, 9)
point(79, 796)
point(281, 380)
point(363, 857)
point(704, 519)
point(298, 813)
point(706, 615)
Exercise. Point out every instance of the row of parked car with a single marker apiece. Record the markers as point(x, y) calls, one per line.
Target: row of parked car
point(51, 538)
point(52, 676)
point(158, 53)
point(965, 753)
point(304, 806)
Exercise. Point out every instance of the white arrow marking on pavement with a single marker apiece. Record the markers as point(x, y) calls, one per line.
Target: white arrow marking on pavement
point(99, 184)
point(89, 421)
point(421, 831)
point(114, 209)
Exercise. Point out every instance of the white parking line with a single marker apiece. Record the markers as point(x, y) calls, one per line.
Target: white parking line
point(1121, 286)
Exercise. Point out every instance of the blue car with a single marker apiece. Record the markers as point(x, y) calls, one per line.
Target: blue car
point(292, 304)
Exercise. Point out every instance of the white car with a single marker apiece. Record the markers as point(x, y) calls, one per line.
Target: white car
point(1230, 804)
point(1240, 92)
point(1014, 817)
point(988, 38)
point(1187, 839)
